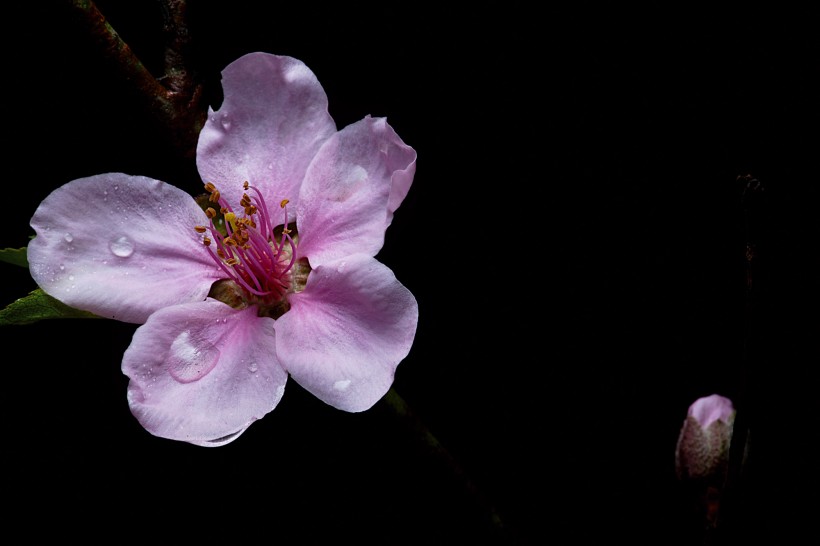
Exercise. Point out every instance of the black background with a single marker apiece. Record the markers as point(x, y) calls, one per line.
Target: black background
point(574, 237)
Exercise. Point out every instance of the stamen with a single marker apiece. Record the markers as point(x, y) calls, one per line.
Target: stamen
point(248, 251)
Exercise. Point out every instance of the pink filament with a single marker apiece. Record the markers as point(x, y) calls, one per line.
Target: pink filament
point(259, 269)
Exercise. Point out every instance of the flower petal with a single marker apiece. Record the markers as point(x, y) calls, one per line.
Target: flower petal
point(346, 333)
point(203, 372)
point(120, 246)
point(708, 409)
point(272, 120)
point(357, 180)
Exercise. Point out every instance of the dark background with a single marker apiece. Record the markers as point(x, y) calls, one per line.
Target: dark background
point(575, 239)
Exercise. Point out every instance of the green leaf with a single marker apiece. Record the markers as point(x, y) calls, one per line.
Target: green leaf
point(39, 306)
point(15, 256)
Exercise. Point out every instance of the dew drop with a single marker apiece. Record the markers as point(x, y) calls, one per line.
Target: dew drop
point(71, 277)
point(226, 123)
point(62, 267)
point(68, 237)
point(121, 246)
point(253, 367)
point(191, 357)
point(342, 384)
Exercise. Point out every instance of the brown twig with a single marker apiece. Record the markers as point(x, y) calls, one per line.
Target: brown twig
point(174, 101)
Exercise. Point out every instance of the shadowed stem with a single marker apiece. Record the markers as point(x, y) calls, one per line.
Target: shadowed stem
point(433, 448)
point(752, 209)
point(174, 100)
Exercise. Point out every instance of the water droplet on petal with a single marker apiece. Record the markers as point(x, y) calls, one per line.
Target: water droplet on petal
point(191, 357)
point(68, 237)
point(226, 123)
point(71, 277)
point(121, 246)
point(62, 267)
point(253, 367)
point(342, 384)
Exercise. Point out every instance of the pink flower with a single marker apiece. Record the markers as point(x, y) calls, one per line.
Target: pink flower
point(293, 286)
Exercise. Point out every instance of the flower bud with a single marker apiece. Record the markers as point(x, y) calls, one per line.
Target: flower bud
point(703, 445)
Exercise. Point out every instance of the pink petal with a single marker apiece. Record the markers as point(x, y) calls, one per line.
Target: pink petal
point(203, 372)
point(272, 120)
point(712, 408)
point(346, 333)
point(120, 246)
point(351, 190)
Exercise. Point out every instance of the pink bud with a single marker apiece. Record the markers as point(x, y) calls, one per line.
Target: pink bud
point(703, 445)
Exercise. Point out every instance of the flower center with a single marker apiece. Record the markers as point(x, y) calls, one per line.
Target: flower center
point(256, 254)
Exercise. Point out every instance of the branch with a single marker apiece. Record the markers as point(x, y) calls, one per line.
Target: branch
point(173, 101)
point(432, 447)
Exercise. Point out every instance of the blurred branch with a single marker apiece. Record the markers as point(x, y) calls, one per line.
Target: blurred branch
point(752, 205)
point(432, 447)
point(174, 100)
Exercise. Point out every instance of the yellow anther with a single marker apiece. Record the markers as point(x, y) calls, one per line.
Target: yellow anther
point(200, 229)
point(210, 187)
point(210, 213)
point(214, 196)
point(232, 261)
point(206, 241)
point(245, 184)
point(284, 202)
